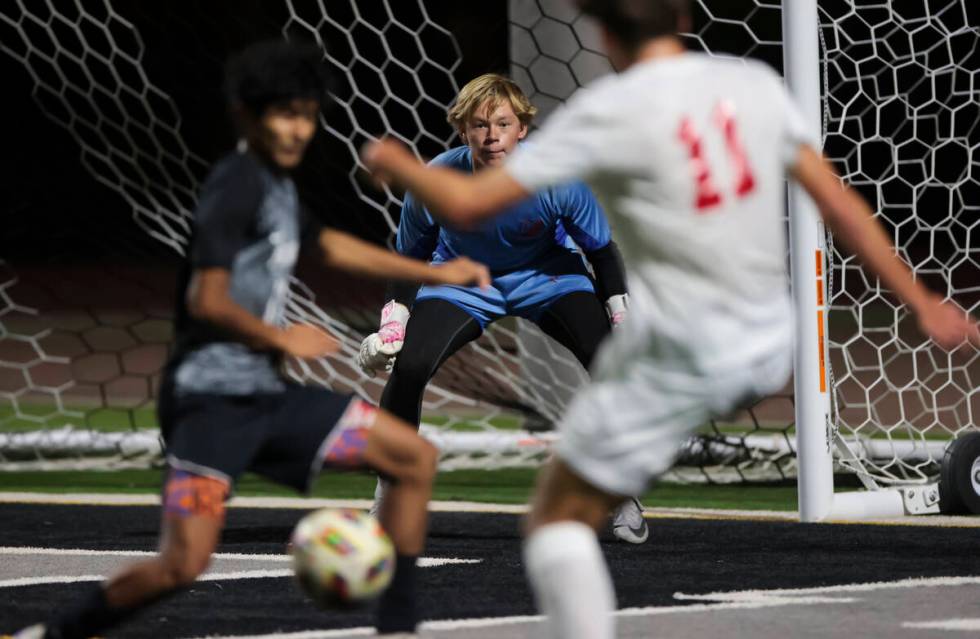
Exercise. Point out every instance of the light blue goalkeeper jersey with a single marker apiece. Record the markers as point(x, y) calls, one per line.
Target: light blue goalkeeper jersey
point(527, 232)
point(530, 249)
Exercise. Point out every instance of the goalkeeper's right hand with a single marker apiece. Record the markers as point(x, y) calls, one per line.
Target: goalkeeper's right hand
point(379, 350)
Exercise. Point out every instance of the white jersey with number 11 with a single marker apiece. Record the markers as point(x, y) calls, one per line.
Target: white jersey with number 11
point(688, 156)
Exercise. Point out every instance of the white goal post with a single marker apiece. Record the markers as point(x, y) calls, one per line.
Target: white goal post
point(815, 428)
point(814, 435)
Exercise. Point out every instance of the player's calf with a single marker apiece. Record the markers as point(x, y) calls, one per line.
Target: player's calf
point(180, 566)
point(368, 436)
point(193, 517)
point(562, 558)
point(397, 451)
point(408, 462)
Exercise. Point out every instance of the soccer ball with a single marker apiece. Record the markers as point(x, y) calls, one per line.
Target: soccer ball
point(341, 557)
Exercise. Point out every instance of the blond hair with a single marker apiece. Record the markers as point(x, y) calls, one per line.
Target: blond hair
point(490, 88)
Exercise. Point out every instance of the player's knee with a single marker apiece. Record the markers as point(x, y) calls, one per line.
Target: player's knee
point(428, 461)
point(540, 514)
point(422, 467)
point(545, 514)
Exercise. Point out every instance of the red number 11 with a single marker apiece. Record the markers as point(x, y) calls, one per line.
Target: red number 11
point(708, 196)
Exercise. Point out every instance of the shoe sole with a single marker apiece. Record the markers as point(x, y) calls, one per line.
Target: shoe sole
point(631, 535)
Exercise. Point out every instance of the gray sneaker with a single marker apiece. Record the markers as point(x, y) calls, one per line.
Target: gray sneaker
point(628, 522)
point(33, 632)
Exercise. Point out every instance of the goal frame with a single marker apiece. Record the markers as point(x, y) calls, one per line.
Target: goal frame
point(815, 432)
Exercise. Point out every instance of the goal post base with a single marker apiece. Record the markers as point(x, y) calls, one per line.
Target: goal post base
point(889, 502)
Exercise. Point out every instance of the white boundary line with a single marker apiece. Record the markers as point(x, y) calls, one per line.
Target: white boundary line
point(305, 634)
point(82, 552)
point(759, 595)
point(211, 576)
point(739, 600)
point(423, 562)
point(944, 624)
point(305, 503)
point(299, 503)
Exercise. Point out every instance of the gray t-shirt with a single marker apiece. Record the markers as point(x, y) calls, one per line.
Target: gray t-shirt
point(250, 222)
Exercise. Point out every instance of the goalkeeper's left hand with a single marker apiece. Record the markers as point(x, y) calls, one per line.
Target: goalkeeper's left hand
point(616, 307)
point(379, 350)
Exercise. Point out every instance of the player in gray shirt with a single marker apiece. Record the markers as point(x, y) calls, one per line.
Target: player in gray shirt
point(225, 407)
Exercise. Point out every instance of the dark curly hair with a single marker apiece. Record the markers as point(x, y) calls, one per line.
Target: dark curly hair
point(633, 22)
point(273, 72)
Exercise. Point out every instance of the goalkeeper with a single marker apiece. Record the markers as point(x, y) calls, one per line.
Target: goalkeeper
point(537, 271)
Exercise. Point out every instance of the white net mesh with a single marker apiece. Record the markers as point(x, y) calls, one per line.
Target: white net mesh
point(78, 380)
point(902, 123)
point(902, 115)
point(901, 111)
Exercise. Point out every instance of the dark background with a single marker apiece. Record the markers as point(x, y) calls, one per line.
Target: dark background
point(54, 210)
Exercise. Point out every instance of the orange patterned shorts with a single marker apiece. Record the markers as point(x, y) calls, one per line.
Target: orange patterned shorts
point(346, 444)
point(188, 495)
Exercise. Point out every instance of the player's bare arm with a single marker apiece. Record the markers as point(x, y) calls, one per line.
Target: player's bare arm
point(348, 253)
point(456, 198)
point(851, 221)
point(208, 299)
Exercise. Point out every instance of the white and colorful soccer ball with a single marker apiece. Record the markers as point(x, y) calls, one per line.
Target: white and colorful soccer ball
point(341, 557)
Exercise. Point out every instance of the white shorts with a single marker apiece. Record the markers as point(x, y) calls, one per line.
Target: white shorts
point(626, 428)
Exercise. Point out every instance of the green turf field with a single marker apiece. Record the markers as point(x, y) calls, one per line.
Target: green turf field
point(32, 417)
point(510, 486)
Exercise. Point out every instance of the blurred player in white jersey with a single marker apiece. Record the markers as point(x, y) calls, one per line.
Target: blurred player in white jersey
point(687, 154)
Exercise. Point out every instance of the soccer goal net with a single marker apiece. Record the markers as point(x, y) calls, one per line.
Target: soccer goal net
point(95, 223)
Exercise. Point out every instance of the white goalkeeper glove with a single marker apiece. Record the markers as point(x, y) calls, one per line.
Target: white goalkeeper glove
point(379, 350)
point(616, 309)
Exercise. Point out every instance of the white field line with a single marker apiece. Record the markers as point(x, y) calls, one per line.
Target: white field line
point(750, 599)
point(304, 503)
point(299, 503)
point(424, 562)
point(210, 576)
point(945, 624)
point(305, 634)
point(446, 624)
point(758, 595)
point(82, 552)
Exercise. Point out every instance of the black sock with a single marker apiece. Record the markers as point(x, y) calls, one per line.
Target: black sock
point(397, 610)
point(87, 618)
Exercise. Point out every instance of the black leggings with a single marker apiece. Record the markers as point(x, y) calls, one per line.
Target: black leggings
point(438, 328)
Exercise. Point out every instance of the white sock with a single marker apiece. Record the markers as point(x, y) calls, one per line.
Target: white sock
point(380, 490)
point(570, 581)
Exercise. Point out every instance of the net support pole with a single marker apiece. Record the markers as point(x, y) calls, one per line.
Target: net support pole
point(801, 51)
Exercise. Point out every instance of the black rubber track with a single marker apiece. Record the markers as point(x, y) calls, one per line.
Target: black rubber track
point(690, 556)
